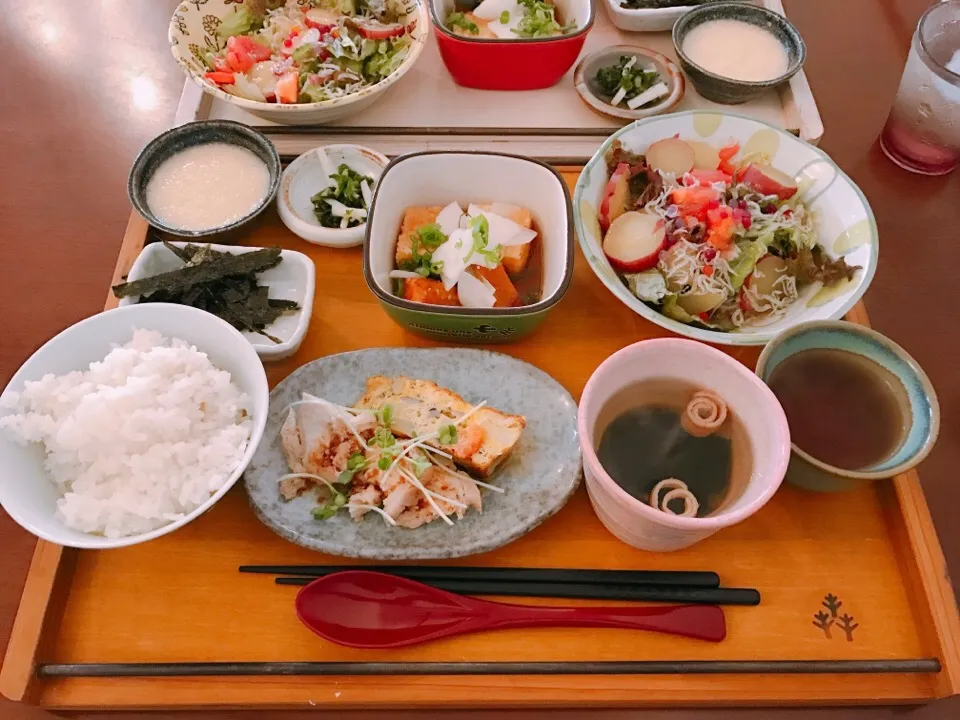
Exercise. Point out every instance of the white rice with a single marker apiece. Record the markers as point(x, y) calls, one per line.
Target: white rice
point(140, 439)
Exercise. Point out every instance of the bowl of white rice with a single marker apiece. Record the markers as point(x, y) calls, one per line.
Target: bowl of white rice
point(128, 425)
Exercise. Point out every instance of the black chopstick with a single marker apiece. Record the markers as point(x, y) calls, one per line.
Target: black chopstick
point(695, 595)
point(670, 578)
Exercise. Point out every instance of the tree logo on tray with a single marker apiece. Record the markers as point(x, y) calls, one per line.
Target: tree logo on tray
point(831, 617)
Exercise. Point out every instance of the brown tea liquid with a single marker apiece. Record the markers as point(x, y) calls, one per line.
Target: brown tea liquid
point(843, 409)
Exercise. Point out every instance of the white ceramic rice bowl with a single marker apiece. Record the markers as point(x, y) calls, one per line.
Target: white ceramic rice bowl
point(845, 222)
point(192, 32)
point(27, 492)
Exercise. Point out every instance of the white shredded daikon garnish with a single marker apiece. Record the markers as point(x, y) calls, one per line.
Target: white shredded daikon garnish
point(328, 169)
point(415, 482)
point(410, 476)
point(337, 208)
point(618, 97)
point(450, 471)
point(649, 95)
point(376, 509)
point(366, 192)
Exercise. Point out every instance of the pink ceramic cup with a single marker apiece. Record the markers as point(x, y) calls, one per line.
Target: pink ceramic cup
point(748, 398)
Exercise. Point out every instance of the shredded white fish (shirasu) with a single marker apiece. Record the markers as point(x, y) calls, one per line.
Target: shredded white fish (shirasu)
point(681, 266)
point(781, 296)
point(658, 205)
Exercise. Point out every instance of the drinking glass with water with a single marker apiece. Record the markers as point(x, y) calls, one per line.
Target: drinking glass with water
point(922, 134)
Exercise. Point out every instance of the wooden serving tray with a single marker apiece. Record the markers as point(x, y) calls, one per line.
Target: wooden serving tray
point(172, 624)
point(426, 110)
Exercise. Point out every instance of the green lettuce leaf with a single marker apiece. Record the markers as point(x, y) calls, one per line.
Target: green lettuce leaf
point(239, 22)
point(673, 311)
point(649, 285)
point(746, 261)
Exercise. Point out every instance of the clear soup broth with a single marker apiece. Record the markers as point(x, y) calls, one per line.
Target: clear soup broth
point(642, 441)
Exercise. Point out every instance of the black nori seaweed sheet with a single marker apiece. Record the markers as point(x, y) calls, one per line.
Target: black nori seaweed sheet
point(220, 283)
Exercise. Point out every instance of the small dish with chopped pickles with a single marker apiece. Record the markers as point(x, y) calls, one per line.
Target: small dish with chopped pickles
point(628, 82)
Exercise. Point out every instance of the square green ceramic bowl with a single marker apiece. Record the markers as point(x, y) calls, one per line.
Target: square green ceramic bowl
point(438, 178)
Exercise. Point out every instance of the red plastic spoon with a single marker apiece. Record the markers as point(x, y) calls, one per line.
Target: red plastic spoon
point(364, 609)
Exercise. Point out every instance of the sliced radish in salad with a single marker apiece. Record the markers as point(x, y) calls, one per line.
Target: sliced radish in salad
point(634, 241)
point(671, 155)
point(615, 196)
point(376, 30)
point(321, 18)
point(705, 155)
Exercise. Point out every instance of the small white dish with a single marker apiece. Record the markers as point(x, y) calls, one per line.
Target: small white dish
point(27, 492)
point(584, 79)
point(644, 19)
point(293, 279)
point(305, 177)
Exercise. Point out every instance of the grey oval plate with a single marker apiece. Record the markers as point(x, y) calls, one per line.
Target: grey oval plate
point(538, 478)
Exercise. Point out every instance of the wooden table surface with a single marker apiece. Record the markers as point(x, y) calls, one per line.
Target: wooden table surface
point(88, 83)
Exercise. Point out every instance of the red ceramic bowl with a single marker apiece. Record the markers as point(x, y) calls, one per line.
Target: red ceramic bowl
point(521, 64)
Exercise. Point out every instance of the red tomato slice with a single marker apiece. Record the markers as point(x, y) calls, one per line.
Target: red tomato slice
point(220, 78)
point(288, 88)
point(249, 46)
point(728, 151)
point(726, 155)
point(239, 61)
point(695, 201)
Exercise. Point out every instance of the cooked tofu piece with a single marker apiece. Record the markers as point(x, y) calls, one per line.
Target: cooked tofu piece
point(429, 291)
point(520, 215)
point(515, 257)
point(421, 407)
point(482, 27)
point(413, 218)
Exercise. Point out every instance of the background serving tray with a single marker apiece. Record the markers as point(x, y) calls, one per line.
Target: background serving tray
point(124, 628)
point(426, 110)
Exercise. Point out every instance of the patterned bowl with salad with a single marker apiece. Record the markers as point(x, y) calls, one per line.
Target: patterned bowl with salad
point(723, 228)
point(298, 61)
